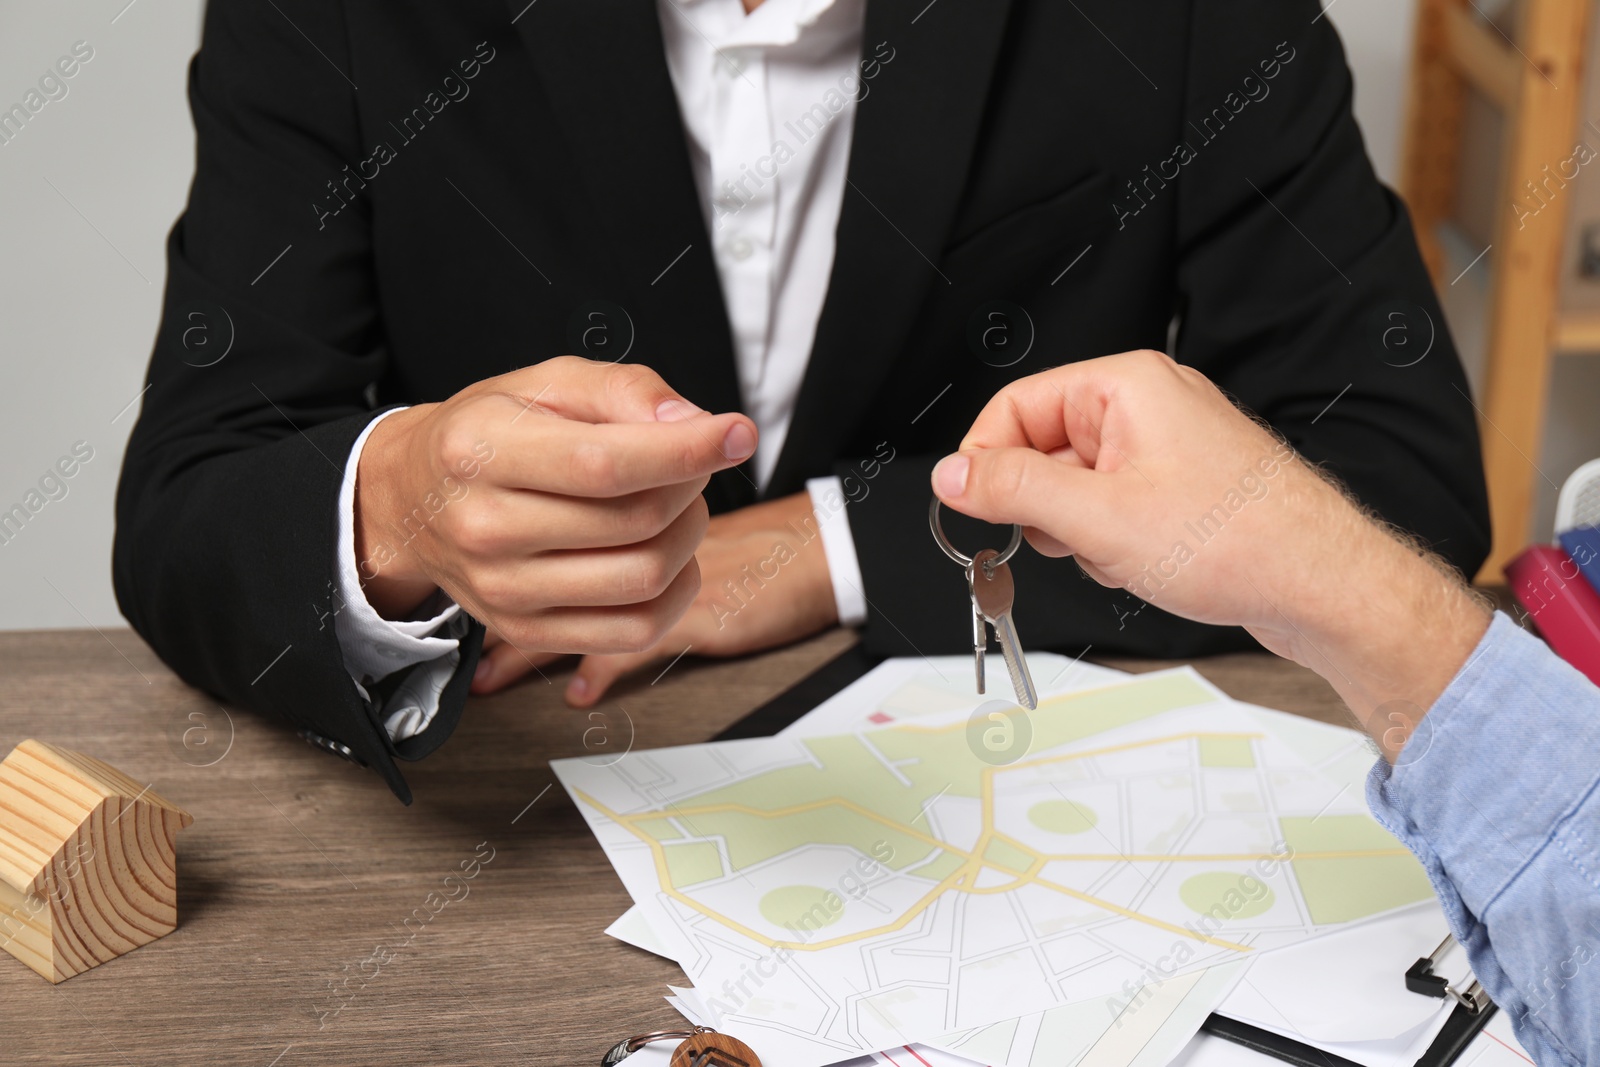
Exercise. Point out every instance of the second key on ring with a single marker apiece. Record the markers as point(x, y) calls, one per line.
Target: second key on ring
point(993, 593)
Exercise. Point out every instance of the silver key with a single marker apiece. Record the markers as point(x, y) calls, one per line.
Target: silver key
point(980, 632)
point(993, 592)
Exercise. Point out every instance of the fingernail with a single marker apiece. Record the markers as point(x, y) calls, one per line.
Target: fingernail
point(740, 444)
point(950, 476)
point(485, 668)
point(577, 689)
point(676, 411)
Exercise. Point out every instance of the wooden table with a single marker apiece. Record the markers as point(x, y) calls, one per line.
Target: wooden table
point(299, 866)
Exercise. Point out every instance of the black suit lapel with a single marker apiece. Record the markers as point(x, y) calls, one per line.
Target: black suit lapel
point(909, 156)
point(603, 67)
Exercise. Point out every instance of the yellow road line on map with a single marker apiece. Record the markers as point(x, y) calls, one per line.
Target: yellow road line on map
point(1182, 930)
point(975, 862)
point(1051, 703)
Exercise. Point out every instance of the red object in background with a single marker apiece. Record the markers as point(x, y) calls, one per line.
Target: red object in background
point(1562, 603)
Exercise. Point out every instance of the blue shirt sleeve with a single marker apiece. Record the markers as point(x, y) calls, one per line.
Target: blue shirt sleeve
point(1495, 793)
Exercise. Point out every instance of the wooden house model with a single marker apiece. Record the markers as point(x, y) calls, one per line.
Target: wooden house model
point(88, 863)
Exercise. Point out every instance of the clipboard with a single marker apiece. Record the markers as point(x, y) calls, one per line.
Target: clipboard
point(1473, 1007)
point(1459, 1031)
point(1472, 1012)
point(822, 683)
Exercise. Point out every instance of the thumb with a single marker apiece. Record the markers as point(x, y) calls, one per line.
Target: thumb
point(595, 392)
point(1022, 486)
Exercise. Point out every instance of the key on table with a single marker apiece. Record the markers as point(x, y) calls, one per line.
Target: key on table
point(992, 595)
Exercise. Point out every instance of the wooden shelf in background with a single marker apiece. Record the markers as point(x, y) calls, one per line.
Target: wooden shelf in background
point(1577, 333)
point(1537, 83)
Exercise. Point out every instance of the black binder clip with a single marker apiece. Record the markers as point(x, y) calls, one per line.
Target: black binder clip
point(1421, 979)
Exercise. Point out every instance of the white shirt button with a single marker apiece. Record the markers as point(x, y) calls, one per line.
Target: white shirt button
point(733, 64)
point(740, 248)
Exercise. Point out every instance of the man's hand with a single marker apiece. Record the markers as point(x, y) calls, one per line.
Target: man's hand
point(559, 504)
point(764, 583)
point(1148, 474)
point(1120, 461)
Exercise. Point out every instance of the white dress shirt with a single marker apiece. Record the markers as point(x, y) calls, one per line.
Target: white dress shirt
point(768, 101)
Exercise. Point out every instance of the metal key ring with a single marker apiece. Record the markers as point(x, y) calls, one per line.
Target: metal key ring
point(628, 1046)
point(951, 550)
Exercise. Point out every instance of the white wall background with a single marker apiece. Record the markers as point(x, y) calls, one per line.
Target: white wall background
point(88, 192)
point(1377, 42)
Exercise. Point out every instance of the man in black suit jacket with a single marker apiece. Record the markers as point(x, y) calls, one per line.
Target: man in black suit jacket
point(1028, 183)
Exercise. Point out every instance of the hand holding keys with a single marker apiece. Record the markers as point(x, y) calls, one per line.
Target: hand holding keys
point(990, 587)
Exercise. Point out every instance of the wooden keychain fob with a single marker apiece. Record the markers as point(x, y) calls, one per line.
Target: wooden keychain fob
point(700, 1047)
point(711, 1049)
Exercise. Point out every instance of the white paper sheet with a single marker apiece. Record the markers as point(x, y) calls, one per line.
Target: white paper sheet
point(1348, 986)
point(1171, 778)
point(914, 689)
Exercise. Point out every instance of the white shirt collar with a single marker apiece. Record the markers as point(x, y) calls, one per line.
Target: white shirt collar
point(774, 24)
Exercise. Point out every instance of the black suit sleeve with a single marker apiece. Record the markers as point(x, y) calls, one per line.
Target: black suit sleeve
point(269, 341)
point(1304, 293)
point(1299, 282)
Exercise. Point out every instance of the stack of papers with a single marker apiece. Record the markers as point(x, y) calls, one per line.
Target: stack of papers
point(875, 885)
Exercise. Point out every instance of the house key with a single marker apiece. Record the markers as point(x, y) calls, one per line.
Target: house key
point(980, 634)
point(990, 588)
point(992, 593)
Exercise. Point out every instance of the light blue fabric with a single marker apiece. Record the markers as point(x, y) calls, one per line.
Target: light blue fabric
point(1496, 794)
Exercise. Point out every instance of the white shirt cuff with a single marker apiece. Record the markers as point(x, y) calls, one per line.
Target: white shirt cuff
point(839, 548)
point(375, 647)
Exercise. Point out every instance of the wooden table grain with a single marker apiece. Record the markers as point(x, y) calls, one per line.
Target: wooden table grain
point(303, 882)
